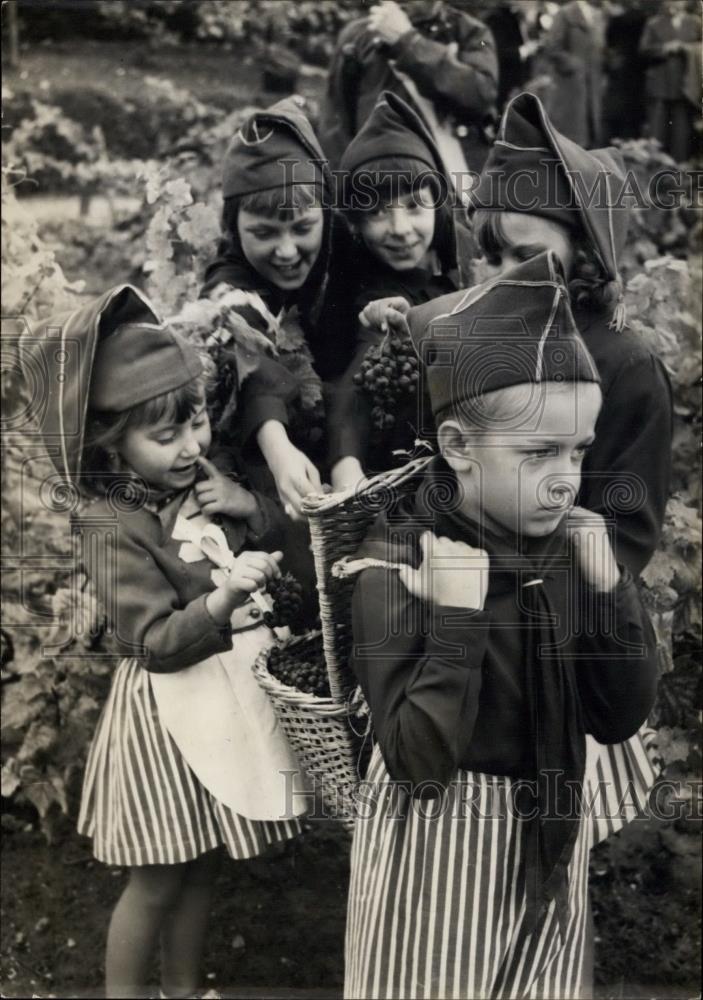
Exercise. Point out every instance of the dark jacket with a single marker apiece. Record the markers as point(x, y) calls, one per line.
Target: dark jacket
point(669, 77)
point(507, 33)
point(573, 55)
point(627, 472)
point(154, 600)
point(446, 688)
point(509, 690)
point(450, 56)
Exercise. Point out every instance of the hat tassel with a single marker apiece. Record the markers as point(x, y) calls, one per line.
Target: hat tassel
point(618, 321)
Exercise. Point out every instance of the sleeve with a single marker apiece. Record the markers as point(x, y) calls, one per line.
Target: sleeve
point(145, 608)
point(264, 395)
point(421, 676)
point(616, 667)
point(633, 446)
point(349, 413)
point(462, 75)
point(270, 533)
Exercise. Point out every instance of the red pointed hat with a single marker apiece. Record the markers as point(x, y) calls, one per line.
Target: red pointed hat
point(533, 168)
point(516, 329)
point(110, 354)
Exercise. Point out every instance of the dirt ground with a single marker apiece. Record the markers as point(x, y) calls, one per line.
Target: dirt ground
point(278, 922)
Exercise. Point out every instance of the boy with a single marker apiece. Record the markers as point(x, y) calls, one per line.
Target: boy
point(507, 635)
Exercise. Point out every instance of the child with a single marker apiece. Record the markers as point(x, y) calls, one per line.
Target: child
point(278, 231)
point(409, 243)
point(187, 754)
point(501, 633)
point(626, 474)
point(532, 197)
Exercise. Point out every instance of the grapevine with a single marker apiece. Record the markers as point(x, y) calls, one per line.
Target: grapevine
point(389, 372)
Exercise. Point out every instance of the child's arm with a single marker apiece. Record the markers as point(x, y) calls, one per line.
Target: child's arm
point(145, 607)
point(616, 669)
point(421, 672)
point(294, 473)
point(349, 424)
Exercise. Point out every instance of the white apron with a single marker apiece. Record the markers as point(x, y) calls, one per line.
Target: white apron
point(216, 712)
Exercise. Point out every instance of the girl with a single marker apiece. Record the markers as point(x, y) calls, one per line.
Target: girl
point(409, 243)
point(187, 754)
point(508, 633)
point(278, 230)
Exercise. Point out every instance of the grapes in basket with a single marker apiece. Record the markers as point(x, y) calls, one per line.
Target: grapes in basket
point(389, 371)
point(305, 671)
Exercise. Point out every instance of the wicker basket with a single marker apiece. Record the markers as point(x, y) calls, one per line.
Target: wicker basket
point(331, 736)
point(328, 736)
point(339, 523)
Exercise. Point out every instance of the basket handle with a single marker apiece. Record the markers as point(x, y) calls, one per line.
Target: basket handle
point(348, 566)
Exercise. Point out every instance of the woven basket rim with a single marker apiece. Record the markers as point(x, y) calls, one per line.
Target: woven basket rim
point(319, 503)
point(330, 707)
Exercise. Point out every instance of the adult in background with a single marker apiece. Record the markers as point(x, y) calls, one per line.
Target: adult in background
point(670, 45)
point(509, 25)
point(438, 58)
point(623, 100)
point(572, 54)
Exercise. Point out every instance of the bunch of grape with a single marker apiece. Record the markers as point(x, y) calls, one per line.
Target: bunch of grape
point(388, 372)
point(306, 673)
point(288, 604)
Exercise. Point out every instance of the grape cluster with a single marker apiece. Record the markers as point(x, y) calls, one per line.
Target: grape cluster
point(288, 604)
point(306, 672)
point(388, 372)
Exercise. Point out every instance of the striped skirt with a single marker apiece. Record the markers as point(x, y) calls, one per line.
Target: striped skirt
point(618, 781)
point(436, 903)
point(142, 804)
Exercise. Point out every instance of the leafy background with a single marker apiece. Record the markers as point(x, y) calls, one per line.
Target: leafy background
point(146, 151)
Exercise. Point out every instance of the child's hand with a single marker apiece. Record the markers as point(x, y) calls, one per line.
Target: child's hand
point(252, 571)
point(382, 314)
point(347, 472)
point(219, 495)
point(594, 552)
point(452, 574)
point(295, 477)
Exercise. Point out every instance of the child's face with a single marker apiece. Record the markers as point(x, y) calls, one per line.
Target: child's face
point(530, 235)
point(401, 231)
point(164, 454)
point(283, 252)
point(526, 479)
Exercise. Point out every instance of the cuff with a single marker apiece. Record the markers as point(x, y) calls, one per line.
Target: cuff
point(206, 639)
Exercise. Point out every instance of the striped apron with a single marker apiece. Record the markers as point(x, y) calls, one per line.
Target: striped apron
point(436, 902)
point(141, 802)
